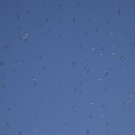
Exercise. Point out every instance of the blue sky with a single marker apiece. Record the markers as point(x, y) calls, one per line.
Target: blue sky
point(67, 67)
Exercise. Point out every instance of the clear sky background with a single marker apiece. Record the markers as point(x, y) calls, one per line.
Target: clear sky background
point(67, 67)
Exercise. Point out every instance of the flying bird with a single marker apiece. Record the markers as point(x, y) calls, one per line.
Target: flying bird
point(17, 15)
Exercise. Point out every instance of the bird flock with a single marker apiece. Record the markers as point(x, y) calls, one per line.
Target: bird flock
point(67, 67)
